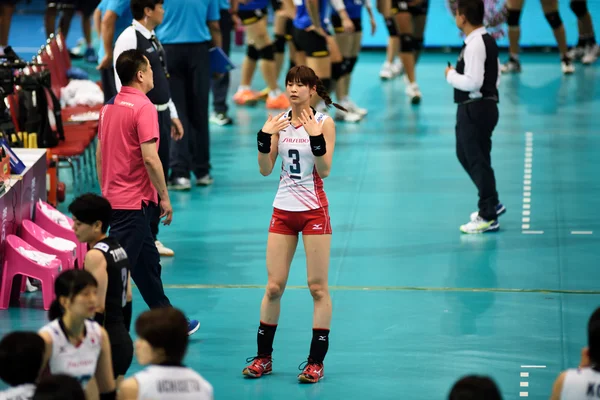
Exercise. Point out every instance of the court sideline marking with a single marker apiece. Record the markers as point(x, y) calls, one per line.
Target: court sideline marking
point(527, 173)
point(390, 289)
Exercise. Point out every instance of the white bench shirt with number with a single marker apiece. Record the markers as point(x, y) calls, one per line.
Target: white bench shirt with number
point(21, 392)
point(300, 186)
point(581, 384)
point(159, 382)
point(76, 361)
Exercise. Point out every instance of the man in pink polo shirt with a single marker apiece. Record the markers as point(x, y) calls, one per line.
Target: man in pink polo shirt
point(131, 175)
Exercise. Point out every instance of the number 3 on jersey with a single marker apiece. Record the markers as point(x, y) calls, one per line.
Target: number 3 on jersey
point(295, 166)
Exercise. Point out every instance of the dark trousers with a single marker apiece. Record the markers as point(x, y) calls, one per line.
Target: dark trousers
point(190, 85)
point(132, 229)
point(109, 87)
point(164, 127)
point(220, 87)
point(475, 123)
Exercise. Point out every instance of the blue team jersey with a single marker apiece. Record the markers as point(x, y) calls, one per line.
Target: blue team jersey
point(302, 20)
point(353, 8)
point(253, 5)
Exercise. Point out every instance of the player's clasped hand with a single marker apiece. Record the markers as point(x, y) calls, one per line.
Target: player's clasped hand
point(310, 124)
point(275, 124)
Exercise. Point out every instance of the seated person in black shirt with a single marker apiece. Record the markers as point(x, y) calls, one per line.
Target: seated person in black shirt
point(108, 262)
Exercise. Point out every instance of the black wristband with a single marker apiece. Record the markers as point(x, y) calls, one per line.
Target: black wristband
point(263, 141)
point(99, 318)
point(109, 396)
point(318, 145)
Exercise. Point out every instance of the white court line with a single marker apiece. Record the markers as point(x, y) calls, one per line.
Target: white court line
point(523, 394)
point(581, 232)
point(532, 232)
point(524, 374)
point(524, 384)
point(527, 172)
point(533, 366)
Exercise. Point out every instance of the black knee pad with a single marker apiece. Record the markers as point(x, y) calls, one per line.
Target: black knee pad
point(407, 43)
point(252, 53)
point(579, 8)
point(337, 71)
point(327, 82)
point(513, 18)
point(418, 44)
point(391, 26)
point(350, 64)
point(554, 20)
point(267, 53)
point(280, 44)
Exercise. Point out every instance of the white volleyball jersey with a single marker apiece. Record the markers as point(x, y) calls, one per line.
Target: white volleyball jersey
point(21, 392)
point(158, 382)
point(300, 186)
point(76, 361)
point(581, 384)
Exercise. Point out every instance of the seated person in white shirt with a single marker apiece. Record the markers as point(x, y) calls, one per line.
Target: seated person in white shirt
point(162, 340)
point(582, 383)
point(21, 356)
point(59, 387)
point(76, 345)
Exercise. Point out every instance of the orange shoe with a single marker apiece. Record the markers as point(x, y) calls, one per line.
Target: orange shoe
point(245, 97)
point(260, 366)
point(263, 94)
point(280, 102)
point(313, 372)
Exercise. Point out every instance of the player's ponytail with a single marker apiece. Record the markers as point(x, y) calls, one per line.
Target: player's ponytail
point(56, 311)
point(324, 94)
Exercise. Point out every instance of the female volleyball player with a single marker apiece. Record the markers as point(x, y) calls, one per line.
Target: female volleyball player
point(305, 141)
point(409, 46)
point(161, 345)
point(350, 44)
point(253, 15)
point(75, 345)
point(317, 49)
point(108, 262)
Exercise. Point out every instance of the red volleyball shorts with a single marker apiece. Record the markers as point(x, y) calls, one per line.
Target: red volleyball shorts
point(313, 222)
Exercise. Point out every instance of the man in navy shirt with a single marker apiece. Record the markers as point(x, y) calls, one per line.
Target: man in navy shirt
point(220, 85)
point(189, 29)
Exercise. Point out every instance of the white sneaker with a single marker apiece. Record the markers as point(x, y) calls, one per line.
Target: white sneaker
point(162, 250)
point(352, 107)
point(29, 286)
point(413, 91)
point(591, 54)
point(575, 53)
point(567, 66)
point(347, 116)
point(480, 225)
point(387, 71)
point(206, 180)
point(398, 67)
point(180, 184)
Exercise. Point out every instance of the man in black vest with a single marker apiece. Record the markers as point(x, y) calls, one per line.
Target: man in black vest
point(475, 81)
point(148, 14)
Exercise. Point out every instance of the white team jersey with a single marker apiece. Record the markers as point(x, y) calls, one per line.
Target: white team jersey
point(78, 362)
point(300, 186)
point(158, 382)
point(21, 392)
point(581, 384)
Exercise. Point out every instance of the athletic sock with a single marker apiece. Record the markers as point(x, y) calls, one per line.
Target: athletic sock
point(265, 337)
point(319, 345)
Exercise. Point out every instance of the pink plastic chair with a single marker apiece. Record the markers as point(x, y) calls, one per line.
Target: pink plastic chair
point(17, 264)
point(47, 224)
point(35, 236)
